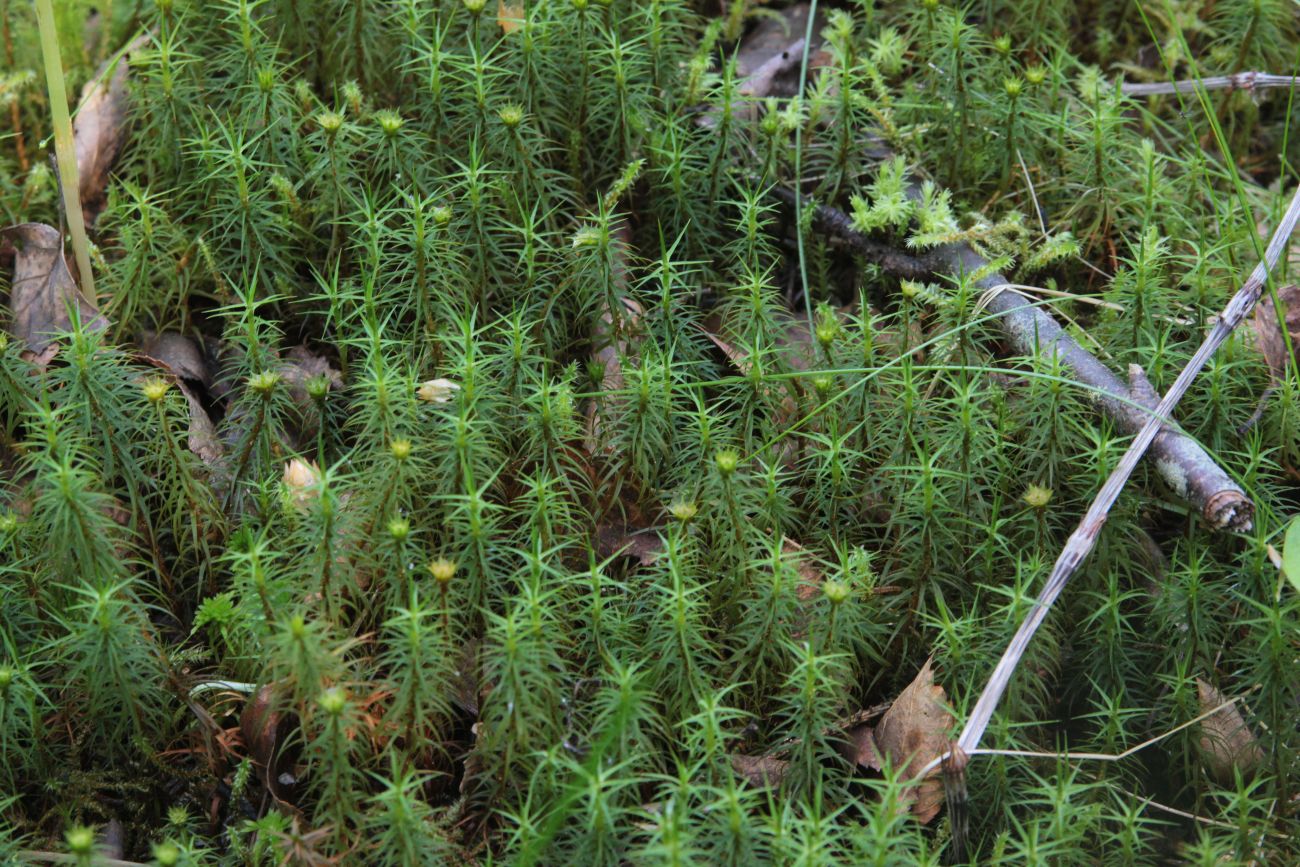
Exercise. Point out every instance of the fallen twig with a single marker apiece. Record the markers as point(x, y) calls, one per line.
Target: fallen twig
point(1188, 469)
point(1085, 535)
point(1239, 81)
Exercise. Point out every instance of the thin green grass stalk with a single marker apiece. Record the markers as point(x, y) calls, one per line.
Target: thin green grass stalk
point(63, 145)
point(798, 166)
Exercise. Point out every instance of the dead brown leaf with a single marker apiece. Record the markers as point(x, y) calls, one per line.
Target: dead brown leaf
point(1268, 335)
point(769, 57)
point(42, 291)
point(99, 128)
point(266, 731)
point(1227, 743)
point(202, 437)
point(859, 746)
point(740, 360)
point(811, 582)
point(810, 577)
point(179, 354)
point(914, 732)
point(644, 546)
point(760, 771)
point(301, 364)
point(110, 842)
point(182, 357)
point(510, 16)
point(468, 692)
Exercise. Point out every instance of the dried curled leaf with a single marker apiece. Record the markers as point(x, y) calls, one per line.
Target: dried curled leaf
point(202, 437)
point(268, 734)
point(1227, 743)
point(760, 771)
point(642, 545)
point(617, 337)
point(510, 16)
point(179, 354)
point(183, 357)
point(769, 57)
point(301, 365)
point(914, 732)
point(437, 391)
point(42, 291)
point(1268, 335)
point(859, 746)
point(99, 128)
point(810, 577)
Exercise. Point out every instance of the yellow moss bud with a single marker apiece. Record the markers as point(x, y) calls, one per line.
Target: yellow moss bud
point(684, 510)
point(155, 389)
point(442, 570)
point(1038, 496)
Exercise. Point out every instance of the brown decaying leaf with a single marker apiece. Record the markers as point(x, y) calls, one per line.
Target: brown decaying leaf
point(302, 364)
point(110, 842)
point(1227, 743)
point(467, 691)
point(99, 128)
point(510, 16)
point(179, 354)
point(202, 437)
point(740, 360)
point(42, 291)
point(794, 345)
point(810, 577)
point(473, 763)
point(768, 60)
point(642, 545)
point(1268, 335)
point(298, 365)
point(859, 746)
point(266, 731)
point(760, 771)
point(182, 357)
point(912, 733)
